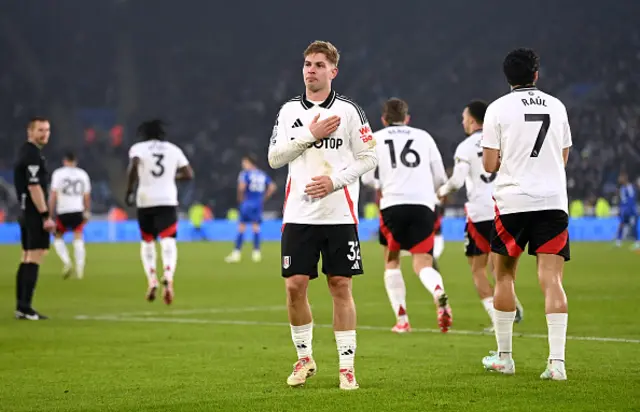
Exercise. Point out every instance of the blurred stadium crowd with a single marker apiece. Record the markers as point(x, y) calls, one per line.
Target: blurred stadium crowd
point(98, 69)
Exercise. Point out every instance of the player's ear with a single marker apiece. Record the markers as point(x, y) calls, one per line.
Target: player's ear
point(334, 72)
point(384, 122)
point(535, 77)
point(407, 119)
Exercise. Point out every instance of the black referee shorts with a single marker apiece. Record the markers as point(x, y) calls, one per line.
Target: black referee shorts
point(32, 234)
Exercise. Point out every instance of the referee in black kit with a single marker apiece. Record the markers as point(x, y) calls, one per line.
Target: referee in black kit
point(31, 180)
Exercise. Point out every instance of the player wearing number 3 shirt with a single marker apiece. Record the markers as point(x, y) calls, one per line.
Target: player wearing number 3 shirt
point(526, 140)
point(155, 165)
point(71, 199)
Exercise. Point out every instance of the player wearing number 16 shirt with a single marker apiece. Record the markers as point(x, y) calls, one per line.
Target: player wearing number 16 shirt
point(155, 164)
point(71, 199)
point(526, 140)
point(409, 169)
point(469, 171)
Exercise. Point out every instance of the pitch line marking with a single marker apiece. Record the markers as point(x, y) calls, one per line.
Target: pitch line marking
point(111, 318)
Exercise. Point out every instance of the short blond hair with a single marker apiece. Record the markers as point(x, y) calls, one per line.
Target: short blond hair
point(329, 50)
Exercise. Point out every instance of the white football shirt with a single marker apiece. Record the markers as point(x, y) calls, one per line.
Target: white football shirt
point(409, 167)
point(530, 128)
point(70, 185)
point(344, 156)
point(478, 183)
point(159, 163)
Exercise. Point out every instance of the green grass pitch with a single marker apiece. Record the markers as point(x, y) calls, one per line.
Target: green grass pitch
point(224, 345)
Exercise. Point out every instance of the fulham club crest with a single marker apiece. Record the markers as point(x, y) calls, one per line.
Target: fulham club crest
point(286, 262)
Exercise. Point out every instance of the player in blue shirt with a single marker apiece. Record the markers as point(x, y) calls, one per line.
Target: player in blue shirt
point(254, 188)
point(628, 210)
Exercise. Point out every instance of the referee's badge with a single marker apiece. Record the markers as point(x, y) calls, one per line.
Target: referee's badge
point(286, 262)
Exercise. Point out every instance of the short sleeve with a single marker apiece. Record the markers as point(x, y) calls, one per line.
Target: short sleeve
point(134, 151)
point(567, 141)
point(32, 164)
point(55, 181)
point(491, 129)
point(242, 177)
point(182, 159)
point(87, 183)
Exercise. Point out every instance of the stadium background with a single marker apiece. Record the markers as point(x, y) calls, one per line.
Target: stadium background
point(218, 72)
point(99, 68)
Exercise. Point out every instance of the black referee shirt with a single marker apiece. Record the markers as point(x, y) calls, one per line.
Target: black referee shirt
point(30, 169)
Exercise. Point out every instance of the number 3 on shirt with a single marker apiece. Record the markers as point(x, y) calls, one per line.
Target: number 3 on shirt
point(542, 134)
point(159, 169)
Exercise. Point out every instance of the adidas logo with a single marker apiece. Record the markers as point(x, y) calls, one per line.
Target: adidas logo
point(356, 265)
point(297, 123)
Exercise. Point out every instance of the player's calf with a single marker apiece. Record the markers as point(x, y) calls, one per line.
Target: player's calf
point(79, 254)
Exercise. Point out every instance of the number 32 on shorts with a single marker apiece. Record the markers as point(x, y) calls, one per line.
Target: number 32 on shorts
point(354, 253)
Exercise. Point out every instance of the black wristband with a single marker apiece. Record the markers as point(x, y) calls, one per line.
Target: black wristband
point(45, 215)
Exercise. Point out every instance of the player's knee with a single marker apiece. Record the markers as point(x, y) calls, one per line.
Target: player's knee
point(296, 287)
point(340, 287)
point(421, 261)
point(34, 256)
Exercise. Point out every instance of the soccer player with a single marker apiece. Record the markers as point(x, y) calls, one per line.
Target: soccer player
point(155, 164)
point(255, 187)
point(526, 140)
point(628, 210)
point(326, 141)
point(71, 199)
point(438, 239)
point(410, 167)
point(31, 180)
point(469, 171)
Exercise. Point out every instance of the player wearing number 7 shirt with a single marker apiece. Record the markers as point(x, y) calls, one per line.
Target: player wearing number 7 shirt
point(71, 199)
point(409, 169)
point(469, 171)
point(526, 140)
point(155, 164)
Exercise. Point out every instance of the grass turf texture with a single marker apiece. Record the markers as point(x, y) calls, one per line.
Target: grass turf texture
point(224, 345)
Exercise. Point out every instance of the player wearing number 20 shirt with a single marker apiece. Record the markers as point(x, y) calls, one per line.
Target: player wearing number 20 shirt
point(155, 165)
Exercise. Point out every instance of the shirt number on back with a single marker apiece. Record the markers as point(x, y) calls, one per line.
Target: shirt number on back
point(542, 134)
point(404, 154)
point(158, 170)
point(72, 187)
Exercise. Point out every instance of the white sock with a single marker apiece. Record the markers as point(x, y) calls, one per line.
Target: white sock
point(432, 280)
point(503, 324)
point(79, 254)
point(302, 336)
point(346, 343)
point(557, 326)
point(169, 256)
point(488, 306)
point(61, 250)
point(148, 256)
point(397, 293)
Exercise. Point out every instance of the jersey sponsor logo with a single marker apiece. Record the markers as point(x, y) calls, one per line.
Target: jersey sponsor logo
point(326, 143)
point(365, 134)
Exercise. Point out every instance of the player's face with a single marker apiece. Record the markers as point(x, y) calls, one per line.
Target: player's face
point(318, 72)
point(623, 179)
point(39, 132)
point(467, 121)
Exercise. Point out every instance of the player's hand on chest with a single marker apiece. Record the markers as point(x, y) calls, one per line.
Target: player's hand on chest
point(327, 127)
